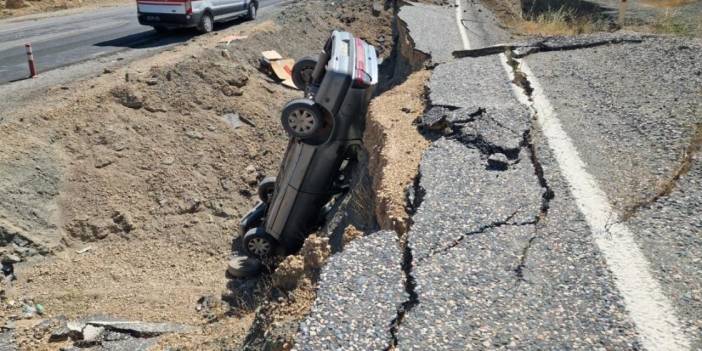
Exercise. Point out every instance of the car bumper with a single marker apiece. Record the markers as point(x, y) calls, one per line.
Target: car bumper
point(169, 20)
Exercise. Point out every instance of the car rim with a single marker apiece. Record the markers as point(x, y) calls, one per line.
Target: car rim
point(302, 121)
point(253, 11)
point(259, 246)
point(208, 24)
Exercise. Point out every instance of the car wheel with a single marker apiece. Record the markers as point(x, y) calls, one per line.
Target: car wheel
point(258, 243)
point(251, 15)
point(302, 72)
point(266, 188)
point(302, 118)
point(206, 24)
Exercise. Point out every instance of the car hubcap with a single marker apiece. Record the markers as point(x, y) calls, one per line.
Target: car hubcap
point(259, 246)
point(253, 11)
point(208, 24)
point(302, 121)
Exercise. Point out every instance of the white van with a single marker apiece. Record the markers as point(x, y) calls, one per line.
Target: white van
point(164, 15)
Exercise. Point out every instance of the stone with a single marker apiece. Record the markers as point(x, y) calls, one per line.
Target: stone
point(11, 258)
point(250, 175)
point(192, 134)
point(92, 333)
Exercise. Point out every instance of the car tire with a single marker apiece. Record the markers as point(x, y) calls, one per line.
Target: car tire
point(266, 188)
point(252, 12)
point(302, 118)
point(302, 72)
point(206, 23)
point(258, 243)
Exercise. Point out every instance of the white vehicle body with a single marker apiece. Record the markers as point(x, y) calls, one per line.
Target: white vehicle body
point(169, 14)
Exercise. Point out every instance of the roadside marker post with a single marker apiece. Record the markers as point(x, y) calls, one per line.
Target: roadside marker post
point(30, 61)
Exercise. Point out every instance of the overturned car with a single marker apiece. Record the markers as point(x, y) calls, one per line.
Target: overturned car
point(326, 129)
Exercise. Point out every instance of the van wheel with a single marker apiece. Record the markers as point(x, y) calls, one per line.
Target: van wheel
point(206, 24)
point(251, 15)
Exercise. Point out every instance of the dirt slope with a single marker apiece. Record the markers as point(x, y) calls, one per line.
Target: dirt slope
point(137, 179)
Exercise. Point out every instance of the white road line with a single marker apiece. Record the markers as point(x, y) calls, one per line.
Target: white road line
point(461, 28)
point(650, 310)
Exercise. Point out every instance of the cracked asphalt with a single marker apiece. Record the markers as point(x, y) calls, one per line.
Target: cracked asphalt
point(500, 255)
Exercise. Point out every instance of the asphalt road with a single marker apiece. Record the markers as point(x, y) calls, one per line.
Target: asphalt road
point(60, 41)
point(522, 238)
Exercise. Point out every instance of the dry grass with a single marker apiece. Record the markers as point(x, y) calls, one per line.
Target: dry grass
point(673, 22)
point(666, 4)
point(562, 21)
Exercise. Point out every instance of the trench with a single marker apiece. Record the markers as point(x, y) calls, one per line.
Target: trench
point(357, 206)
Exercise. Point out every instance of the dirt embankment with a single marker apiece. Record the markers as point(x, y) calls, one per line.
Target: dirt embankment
point(133, 183)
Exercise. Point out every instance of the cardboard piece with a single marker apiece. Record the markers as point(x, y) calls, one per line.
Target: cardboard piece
point(280, 67)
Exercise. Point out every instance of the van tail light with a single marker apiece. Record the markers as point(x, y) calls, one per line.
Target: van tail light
point(188, 7)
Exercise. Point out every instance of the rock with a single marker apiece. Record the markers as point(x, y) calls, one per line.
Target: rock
point(239, 79)
point(376, 8)
point(128, 97)
point(498, 162)
point(243, 267)
point(232, 91)
point(233, 120)
point(102, 162)
point(192, 134)
point(351, 234)
point(121, 223)
point(87, 230)
point(288, 273)
point(108, 70)
point(92, 333)
point(11, 258)
point(316, 252)
point(151, 81)
point(250, 175)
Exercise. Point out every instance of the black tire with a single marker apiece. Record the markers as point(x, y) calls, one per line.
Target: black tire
point(302, 118)
point(252, 12)
point(162, 30)
point(266, 188)
point(302, 72)
point(206, 23)
point(258, 243)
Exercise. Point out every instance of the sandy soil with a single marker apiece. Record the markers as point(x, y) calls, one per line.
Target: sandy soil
point(396, 147)
point(147, 178)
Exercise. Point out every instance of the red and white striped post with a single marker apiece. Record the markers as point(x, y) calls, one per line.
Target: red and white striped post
point(30, 61)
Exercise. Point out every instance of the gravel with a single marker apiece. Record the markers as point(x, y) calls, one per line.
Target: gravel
point(360, 291)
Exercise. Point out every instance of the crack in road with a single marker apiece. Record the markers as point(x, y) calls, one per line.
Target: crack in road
point(481, 230)
point(541, 46)
point(667, 187)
